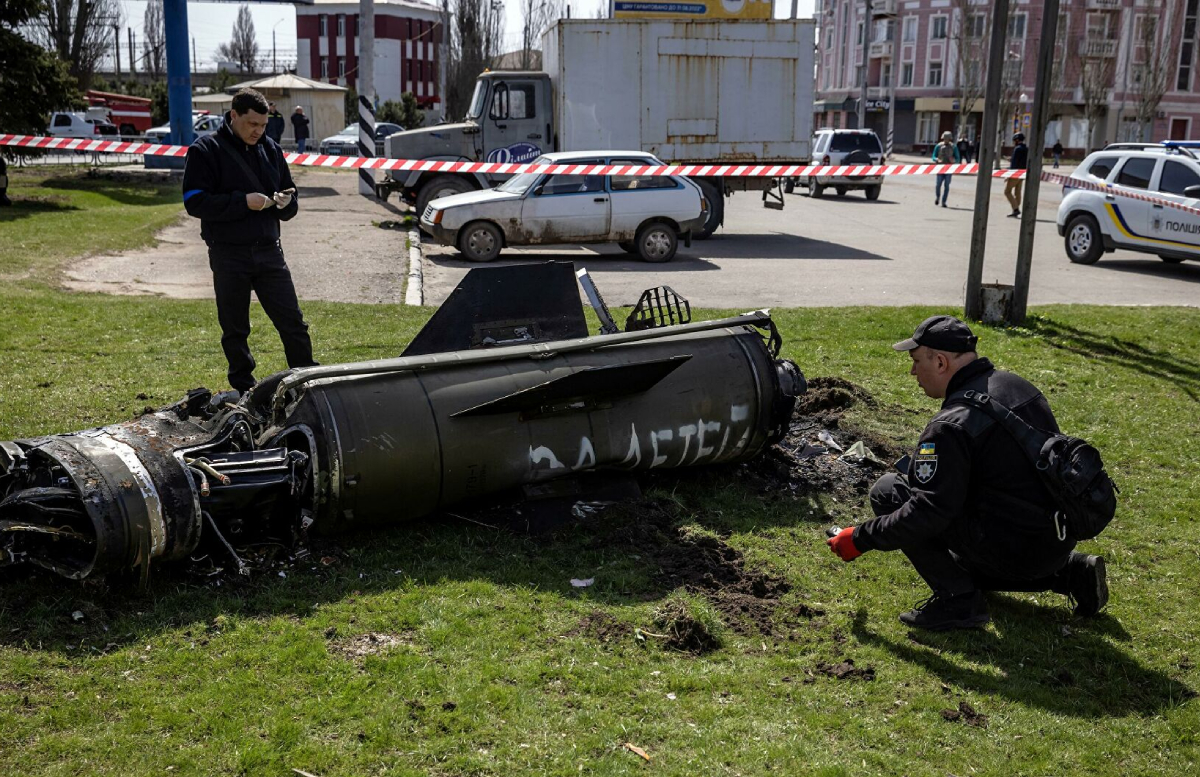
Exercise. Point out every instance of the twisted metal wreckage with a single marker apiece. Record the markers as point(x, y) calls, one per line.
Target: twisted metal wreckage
point(503, 389)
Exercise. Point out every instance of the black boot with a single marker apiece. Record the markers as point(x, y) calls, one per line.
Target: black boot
point(942, 613)
point(1088, 582)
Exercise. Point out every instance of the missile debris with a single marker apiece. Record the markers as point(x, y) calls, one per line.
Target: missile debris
point(503, 389)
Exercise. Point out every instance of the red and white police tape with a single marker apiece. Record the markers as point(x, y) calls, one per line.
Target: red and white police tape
point(82, 145)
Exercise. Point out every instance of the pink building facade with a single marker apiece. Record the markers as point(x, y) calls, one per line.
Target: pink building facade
point(933, 47)
point(407, 37)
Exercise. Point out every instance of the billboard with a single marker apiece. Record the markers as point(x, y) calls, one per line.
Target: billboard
point(695, 9)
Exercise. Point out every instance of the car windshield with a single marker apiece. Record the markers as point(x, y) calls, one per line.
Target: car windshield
point(477, 101)
point(519, 184)
point(856, 141)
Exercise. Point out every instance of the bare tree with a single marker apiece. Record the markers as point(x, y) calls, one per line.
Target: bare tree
point(536, 16)
point(476, 30)
point(243, 48)
point(1010, 99)
point(80, 32)
point(154, 40)
point(1152, 76)
point(970, 35)
point(1096, 75)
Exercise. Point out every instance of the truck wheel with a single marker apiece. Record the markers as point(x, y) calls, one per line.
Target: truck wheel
point(441, 186)
point(657, 242)
point(789, 185)
point(480, 241)
point(815, 189)
point(873, 191)
point(1170, 259)
point(1083, 240)
point(716, 209)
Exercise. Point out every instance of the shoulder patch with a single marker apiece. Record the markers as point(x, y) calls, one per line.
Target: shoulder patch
point(926, 449)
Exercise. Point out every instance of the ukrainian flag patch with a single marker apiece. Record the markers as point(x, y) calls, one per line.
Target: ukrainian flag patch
point(926, 449)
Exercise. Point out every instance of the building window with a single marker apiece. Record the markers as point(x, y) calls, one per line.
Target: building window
point(341, 28)
point(321, 28)
point(1016, 27)
point(938, 27)
point(1187, 48)
point(976, 25)
point(935, 74)
point(859, 34)
point(910, 29)
point(927, 127)
point(341, 68)
point(324, 68)
point(357, 26)
point(885, 72)
point(906, 75)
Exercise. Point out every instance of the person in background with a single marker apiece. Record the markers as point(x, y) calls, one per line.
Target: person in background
point(944, 153)
point(300, 128)
point(4, 200)
point(964, 150)
point(1057, 151)
point(1019, 161)
point(275, 123)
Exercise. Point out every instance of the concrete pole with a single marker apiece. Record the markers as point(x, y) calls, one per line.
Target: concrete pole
point(117, 49)
point(179, 76)
point(1037, 145)
point(973, 306)
point(891, 133)
point(444, 58)
point(132, 60)
point(866, 66)
point(366, 93)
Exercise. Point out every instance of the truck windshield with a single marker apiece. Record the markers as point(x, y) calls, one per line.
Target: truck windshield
point(519, 184)
point(477, 100)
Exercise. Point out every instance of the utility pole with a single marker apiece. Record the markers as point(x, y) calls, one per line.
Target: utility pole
point(866, 66)
point(444, 58)
point(132, 60)
point(1033, 175)
point(274, 63)
point(973, 305)
point(366, 93)
point(194, 68)
point(117, 48)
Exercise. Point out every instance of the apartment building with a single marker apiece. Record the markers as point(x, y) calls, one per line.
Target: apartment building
point(1108, 56)
point(407, 36)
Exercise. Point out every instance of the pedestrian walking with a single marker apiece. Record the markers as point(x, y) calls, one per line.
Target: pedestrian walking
point(300, 128)
point(964, 150)
point(275, 123)
point(969, 509)
point(236, 181)
point(1057, 151)
point(944, 153)
point(1018, 161)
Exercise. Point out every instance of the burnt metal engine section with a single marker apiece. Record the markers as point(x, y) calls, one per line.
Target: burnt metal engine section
point(503, 389)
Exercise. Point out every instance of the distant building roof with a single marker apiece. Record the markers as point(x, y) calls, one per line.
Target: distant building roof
point(290, 82)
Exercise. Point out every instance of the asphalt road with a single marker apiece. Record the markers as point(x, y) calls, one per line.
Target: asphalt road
point(899, 250)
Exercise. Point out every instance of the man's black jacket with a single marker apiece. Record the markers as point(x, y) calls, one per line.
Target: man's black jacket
point(1020, 157)
point(215, 188)
point(972, 484)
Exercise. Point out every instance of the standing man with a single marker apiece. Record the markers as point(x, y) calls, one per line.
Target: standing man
point(964, 150)
point(237, 183)
point(275, 123)
point(1057, 152)
point(1019, 161)
point(4, 200)
point(300, 129)
point(971, 513)
point(944, 153)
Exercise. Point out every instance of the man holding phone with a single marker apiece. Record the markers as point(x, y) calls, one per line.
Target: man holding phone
point(236, 181)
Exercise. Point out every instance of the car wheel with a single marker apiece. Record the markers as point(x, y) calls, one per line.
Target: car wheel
point(628, 246)
point(841, 190)
point(815, 189)
point(1083, 240)
point(441, 186)
point(716, 209)
point(480, 241)
point(873, 191)
point(1170, 259)
point(657, 242)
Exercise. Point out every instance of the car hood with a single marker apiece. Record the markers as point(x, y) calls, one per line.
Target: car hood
point(341, 139)
point(474, 198)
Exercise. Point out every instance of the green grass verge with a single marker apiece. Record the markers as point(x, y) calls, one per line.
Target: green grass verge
point(487, 670)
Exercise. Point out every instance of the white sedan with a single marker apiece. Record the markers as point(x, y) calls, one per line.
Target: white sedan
point(645, 214)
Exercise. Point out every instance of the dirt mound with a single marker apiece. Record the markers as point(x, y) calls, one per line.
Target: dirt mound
point(831, 394)
point(846, 670)
point(359, 647)
point(601, 626)
point(686, 627)
point(967, 714)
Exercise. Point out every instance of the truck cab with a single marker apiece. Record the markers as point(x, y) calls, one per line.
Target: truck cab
point(510, 120)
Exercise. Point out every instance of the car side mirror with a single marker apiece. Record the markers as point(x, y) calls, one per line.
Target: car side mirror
point(537, 192)
point(1192, 192)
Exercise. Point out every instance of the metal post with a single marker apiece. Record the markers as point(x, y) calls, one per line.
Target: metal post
point(1037, 145)
point(973, 306)
point(117, 49)
point(444, 57)
point(274, 61)
point(179, 78)
point(195, 69)
point(366, 93)
point(866, 66)
point(132, 67)
point(891, 133)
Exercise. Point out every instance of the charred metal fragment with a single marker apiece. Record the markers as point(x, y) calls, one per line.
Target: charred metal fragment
point(503, 390)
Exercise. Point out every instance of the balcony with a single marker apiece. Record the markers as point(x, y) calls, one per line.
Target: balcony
point(1103, 5)
point(881, 49)
point(883, 8)
point(878, 92)
point(1097, 49)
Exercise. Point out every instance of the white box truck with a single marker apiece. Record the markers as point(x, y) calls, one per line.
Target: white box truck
point(689, 92)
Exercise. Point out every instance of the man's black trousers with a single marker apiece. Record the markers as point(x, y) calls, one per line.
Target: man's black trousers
point(239, 269)
point(951, 564)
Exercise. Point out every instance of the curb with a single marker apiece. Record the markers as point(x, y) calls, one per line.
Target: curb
point(414, 292)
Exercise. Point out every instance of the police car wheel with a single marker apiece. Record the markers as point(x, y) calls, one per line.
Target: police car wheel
point(480, 241)
point(1170, 259)
point(1083, 241)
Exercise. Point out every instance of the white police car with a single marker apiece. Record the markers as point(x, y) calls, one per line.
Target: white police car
point(1093, 222)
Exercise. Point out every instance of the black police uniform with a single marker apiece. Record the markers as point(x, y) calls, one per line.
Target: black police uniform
point(243, 244)
point(972, 514)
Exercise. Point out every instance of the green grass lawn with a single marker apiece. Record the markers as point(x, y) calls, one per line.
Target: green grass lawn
point(451, 648)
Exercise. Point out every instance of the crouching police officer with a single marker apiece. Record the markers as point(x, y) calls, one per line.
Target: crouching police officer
point(971, 513)
point(237, 183)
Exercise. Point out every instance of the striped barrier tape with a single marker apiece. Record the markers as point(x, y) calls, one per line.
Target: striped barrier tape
point(82, 145)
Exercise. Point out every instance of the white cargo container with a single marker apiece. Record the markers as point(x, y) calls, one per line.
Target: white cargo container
point(712, 91)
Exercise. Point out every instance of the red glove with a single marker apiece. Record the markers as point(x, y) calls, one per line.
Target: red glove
point(843, 544)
